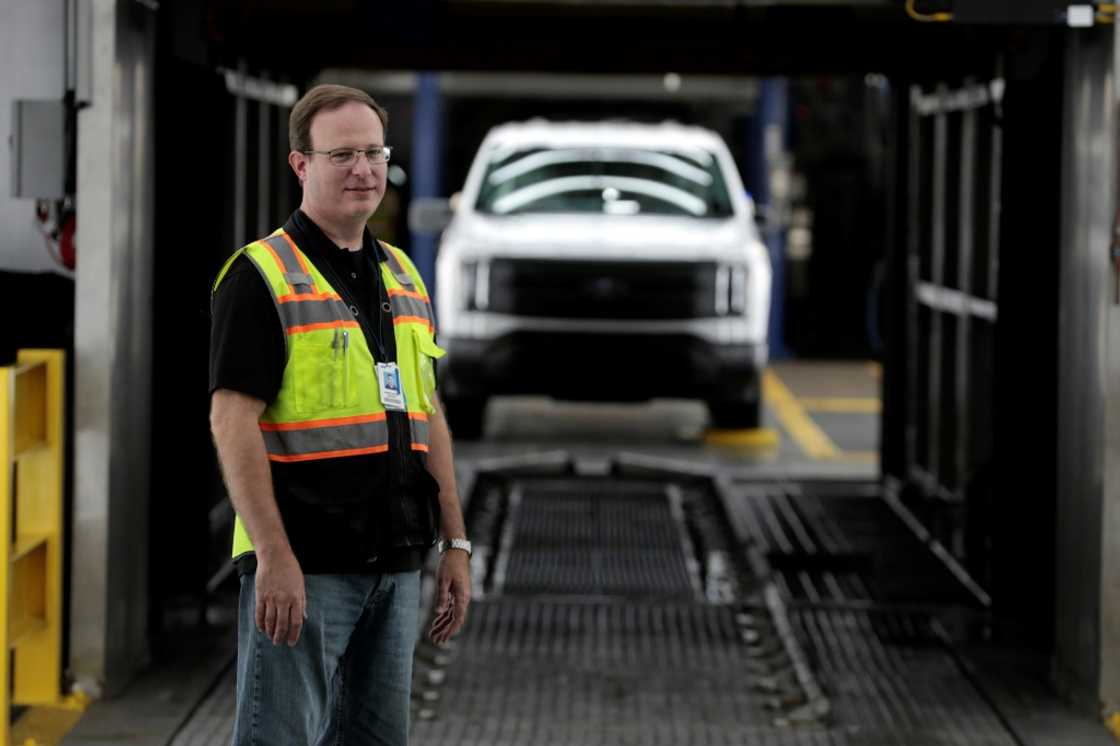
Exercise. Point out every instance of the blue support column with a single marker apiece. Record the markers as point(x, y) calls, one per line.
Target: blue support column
point(769, 135)
point(427, 168)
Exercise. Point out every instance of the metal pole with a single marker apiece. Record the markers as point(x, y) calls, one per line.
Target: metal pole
point(768, 144)
point(264, 168)
point(284, 181)
point(995, 196)
point(427, 161)
point(240, 167)
point(937, 277)
point(913, 268)
point(965, 239)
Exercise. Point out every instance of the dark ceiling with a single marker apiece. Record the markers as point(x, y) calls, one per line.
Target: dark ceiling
point(620, 36)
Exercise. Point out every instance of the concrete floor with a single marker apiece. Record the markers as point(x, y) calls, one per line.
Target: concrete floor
point(839, 400)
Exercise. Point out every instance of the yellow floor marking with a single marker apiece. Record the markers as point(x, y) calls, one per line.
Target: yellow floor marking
point(859, 457)
point(794, 419)
point(762, 437)
point(44, 726)
point(842, 404)
point(47, 725)
point(1113, 725)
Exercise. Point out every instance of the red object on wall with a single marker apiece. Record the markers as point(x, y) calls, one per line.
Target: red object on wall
point(66, 248)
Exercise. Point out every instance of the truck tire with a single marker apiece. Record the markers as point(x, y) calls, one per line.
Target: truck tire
point(465, 416)
point(735, 414)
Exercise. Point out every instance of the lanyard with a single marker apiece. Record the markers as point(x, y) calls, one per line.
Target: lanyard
point(381, 308)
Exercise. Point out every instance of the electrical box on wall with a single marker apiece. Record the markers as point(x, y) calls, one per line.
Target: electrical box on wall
point(38, 149)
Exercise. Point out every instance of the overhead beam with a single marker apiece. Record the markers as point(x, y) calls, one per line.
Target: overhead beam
point(666, 87)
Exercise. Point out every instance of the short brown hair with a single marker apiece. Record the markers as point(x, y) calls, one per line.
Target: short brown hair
point(326, 97)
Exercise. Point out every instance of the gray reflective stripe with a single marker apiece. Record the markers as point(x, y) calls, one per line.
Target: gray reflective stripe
point(405, 306)
point(300, 313)
point(330, 438)
point(419, 431)
point(297, 278)
point(283, 249)
point(395, 266)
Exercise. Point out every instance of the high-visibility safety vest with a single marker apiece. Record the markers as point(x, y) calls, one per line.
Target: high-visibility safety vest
point(329, 403)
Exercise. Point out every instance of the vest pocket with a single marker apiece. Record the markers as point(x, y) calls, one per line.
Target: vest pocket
point(324, 375)
point(427, 352)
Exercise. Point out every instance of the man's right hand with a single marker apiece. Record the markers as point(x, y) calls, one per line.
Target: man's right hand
point(281, 597)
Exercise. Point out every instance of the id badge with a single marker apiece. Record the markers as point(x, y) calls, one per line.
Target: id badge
point(389, 382)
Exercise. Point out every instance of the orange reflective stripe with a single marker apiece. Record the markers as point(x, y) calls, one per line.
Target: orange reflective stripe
point(299, 297)
point(325, 325)
point(408, 293)
point(419, 447)
point(328, 454)
point(422, 416)
point(412, 320)
point(357, 419)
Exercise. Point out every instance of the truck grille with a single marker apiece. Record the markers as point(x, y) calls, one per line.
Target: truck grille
point(603, 290)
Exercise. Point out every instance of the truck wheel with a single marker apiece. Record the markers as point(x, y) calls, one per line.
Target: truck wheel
point(735, 414)
point(465, 416)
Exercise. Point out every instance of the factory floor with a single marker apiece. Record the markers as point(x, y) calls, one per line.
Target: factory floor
point(651, 581)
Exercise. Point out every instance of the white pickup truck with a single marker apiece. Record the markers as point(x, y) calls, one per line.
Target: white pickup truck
point(603, 261)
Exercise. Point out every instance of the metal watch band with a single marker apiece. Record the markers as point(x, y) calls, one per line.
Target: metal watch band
point(463, 544)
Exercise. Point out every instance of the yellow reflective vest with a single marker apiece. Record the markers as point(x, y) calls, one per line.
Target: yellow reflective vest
point(329, 403)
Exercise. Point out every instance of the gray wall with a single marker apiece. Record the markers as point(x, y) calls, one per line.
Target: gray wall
point(1110, 586)
point(1088, 376)
point(113, 347)
point(32, 66)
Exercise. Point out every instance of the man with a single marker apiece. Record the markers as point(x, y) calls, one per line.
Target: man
point(334, 448)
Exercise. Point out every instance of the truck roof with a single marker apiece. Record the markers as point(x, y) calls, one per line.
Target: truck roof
point(662, 136)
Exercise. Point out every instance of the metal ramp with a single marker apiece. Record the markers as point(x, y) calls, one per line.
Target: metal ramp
point(635, 607)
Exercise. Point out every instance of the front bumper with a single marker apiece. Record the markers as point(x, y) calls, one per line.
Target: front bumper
point(600, 367)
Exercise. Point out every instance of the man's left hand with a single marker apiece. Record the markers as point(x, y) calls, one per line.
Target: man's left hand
point(453, 595)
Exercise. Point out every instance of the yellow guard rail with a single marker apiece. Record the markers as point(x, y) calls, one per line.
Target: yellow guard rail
point(31, 482)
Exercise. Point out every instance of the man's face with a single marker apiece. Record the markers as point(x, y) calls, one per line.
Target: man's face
point(342, 194)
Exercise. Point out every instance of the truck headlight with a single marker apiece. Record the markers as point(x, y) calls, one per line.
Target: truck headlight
point(475, 291)
point(731, 289)
point(738, 289)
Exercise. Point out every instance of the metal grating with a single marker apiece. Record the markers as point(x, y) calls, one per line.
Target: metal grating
point(556, 672)
point(553, 672)
point(603, 666)
point(836, 548)
point(591, 538)
point(892, 681)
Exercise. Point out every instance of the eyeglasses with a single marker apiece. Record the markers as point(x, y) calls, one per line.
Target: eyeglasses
point(347, 157)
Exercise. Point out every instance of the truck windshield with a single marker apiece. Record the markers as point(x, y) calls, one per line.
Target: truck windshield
point(619, 181)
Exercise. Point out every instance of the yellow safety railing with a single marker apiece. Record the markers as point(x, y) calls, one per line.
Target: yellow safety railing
point(32, 457)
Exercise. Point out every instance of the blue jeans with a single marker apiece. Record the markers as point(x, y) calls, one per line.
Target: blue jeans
point(347, 680)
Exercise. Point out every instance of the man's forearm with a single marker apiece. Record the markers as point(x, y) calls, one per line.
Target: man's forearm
point(244, 462)
point(441, 464)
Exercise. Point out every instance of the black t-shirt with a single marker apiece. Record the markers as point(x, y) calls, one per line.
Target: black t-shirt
point(371, 513)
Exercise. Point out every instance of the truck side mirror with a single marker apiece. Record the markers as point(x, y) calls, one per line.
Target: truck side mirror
point(429, 214)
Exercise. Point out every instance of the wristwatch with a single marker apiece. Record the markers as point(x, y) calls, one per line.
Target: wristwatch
point(445, 544)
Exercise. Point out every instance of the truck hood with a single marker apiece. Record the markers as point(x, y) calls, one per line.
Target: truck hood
point(639, 237)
